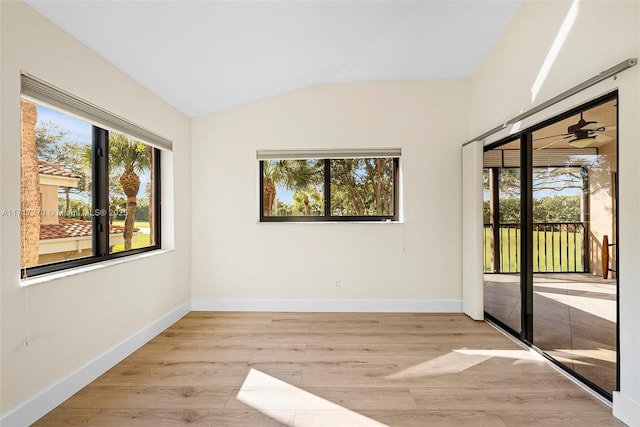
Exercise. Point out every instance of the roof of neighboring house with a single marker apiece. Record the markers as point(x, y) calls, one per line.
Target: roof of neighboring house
point(73, 228)
point(47, 168)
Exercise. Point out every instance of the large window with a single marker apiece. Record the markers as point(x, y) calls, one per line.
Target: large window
point(87, 193)
point(329, 189)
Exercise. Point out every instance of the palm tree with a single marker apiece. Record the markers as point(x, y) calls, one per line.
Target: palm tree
point(131, 157)
point(271, 175)
point(309, 201)
point(29, 188)
point(291, 174)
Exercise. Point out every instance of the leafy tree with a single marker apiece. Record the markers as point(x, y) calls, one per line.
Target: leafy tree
point(282, 209)
point(142, 210)
point(546, 209)
point(53, 145)
point(362, 186)
point(117, 198)
point(557, 209)
point(509, 210)
point(75, 209)
point(308, 201)
point(544, 179)
point(552, 208)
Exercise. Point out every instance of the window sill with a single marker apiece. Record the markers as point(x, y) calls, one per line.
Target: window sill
point(50, 277)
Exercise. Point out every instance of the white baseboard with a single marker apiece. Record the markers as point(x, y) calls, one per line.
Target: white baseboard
point(625, 409)
point(329, 305)
point(29, 411)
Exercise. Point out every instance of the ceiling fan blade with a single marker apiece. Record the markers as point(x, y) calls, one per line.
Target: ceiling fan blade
point(552, 143)
point(603, 138)
point(592, 126)
point(614, 127)
point(552, 136)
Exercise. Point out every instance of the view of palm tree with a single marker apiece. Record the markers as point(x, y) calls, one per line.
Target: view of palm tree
point(287, 177)
point(56, 188)
point(128, 158)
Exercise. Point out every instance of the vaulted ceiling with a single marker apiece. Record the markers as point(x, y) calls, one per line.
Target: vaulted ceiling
point(206, 56)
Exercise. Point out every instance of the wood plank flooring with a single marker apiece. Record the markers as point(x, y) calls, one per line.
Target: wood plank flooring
point(330, 369)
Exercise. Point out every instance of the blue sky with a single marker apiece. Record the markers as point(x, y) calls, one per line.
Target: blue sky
point(78, 131)
point(284, 195)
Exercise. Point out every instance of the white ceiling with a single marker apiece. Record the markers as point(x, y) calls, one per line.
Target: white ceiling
point(207, 56)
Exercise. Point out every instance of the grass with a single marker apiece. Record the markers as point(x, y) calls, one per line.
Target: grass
point(142, 240)
point(550, 260)
point(137, 224)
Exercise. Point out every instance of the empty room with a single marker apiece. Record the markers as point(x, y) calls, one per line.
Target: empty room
point(320, 213)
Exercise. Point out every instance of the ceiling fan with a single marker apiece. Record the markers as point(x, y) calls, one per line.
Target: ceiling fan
point(581, 134)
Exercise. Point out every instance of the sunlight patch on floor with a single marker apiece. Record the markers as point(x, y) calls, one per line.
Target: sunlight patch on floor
point(562, 285)
point(271, 396)
point(460, 360)
point(600, 354)
point(506, 354)
point(604, 309)
point(450, 363)
point(567, 360)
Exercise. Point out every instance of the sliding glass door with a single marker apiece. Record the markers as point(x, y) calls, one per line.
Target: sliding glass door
point(574, 236)
point(550, 240)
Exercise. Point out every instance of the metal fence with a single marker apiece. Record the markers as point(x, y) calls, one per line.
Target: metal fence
point(557, 247)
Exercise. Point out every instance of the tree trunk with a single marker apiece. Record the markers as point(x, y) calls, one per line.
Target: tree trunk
point(129, 221)
point(269, 191)
point(356, 200)
point(29, 188)
point(378, 187)
point(130, 185)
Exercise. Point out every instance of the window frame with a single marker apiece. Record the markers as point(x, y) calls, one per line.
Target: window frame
point(328, 217)
point(100, 203)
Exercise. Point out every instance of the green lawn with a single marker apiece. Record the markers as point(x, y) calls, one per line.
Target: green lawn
point(142, 239)
point(137, 224)
point(552, 260)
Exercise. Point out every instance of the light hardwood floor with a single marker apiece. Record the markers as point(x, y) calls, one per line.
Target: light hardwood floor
point(331, 369)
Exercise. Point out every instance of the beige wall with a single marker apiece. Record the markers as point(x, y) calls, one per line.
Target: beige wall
point(71, 321)
point(601, 208)
point(61, 256)
point(49, 199)
point(603, 34)
point(236, 257)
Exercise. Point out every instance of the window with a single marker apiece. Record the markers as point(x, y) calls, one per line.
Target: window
point(132, 194)
point(88, 192)
point(329, 188)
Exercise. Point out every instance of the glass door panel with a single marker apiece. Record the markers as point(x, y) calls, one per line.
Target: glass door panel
point(502, 296)
point(574, 165)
